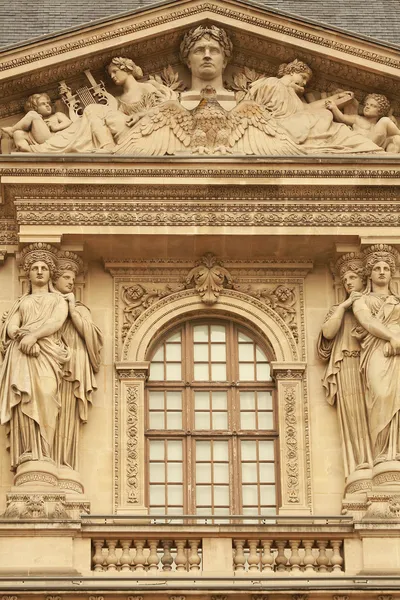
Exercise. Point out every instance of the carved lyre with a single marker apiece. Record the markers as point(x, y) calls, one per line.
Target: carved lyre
point(93, 94)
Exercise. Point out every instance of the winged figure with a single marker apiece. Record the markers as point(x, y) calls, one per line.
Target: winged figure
point(207, 129)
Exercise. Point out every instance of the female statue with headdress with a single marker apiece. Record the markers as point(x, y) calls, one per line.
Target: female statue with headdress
point(378, 313)
point(342, 379)
point(78, 383)
point(34, 354)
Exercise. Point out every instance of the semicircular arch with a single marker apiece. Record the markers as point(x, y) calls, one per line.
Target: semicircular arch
point(176, 308)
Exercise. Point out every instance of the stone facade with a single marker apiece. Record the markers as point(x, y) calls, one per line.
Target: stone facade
point(212, 182)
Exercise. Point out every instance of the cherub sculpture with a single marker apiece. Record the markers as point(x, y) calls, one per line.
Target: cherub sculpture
point(38, 124)
point(374, 123)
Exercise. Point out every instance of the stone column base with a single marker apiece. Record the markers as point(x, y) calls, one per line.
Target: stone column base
point(42, 490)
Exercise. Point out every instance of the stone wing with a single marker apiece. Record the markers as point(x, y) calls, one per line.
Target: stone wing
point(165, 129)
point(255, 131)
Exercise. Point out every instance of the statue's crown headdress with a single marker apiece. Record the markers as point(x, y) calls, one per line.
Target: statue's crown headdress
point(38, 251)
point(380, 252)
point(352, 261)
point(69, 261)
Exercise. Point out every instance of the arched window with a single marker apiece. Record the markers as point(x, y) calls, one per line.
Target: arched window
point(211, 423)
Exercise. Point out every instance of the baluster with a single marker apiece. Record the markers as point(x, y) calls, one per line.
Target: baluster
point(153, 559)
point(125, 559)
point(180, 558)
point(337, 559)
point(281, 560)
point(294, 559)
point(322, 559)
point(111, 559)
point(254, 559)
point(98, 558)
point(194, 558)
point(309, 560)
point(239, 560)
point(140, 558)
point(267, 559)
point(166, 558)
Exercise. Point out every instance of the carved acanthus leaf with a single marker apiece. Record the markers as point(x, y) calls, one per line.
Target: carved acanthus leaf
point(209, 277)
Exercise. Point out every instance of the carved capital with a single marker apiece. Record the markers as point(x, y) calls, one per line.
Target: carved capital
point(288, 371)
point(132, 371)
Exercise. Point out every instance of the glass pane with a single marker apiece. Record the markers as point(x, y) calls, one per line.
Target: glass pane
point(201, 372)
point(246, 352)
point(221, 452)
point(203, 495)
point(249, 473)
point(159, 355)
point(173, 372)
point(203, 451)
point(219, 421)
point(263, 372)
point(218, 372)
point(174, 400)
point(221, 495)
point(175, 494)
point(244, 338)
point(203, 473)
point(157, 472)
point(200, 333)
point(266, 450)
point(173, 352)
point(200, 352)
point(217, 333)
point(247, 420)
point(156, 420)
point(249, 494)
point(267, 494)
point(157, 494)
point(219, 400)
point(246, 372)
point(156, 400)
point(175, 337)
point(202, 400)
point(202, 420)
point(218, 352)
point(265, 421)
point(156, 450)
point(157, 372)
point(267, 472)
point(221, 473)
point(174, 420)
point(174, 471)
point(260, 356)
point(174, 450)
point(249, 450)
point(265, 400)
point(247, 401)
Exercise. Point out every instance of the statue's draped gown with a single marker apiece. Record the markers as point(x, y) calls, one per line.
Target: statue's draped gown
point(343, 384)
point(77, 385)
point(29, 385)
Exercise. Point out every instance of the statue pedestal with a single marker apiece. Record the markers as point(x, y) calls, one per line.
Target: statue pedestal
point(358, 485)
point(41, 490)
point(386, 476)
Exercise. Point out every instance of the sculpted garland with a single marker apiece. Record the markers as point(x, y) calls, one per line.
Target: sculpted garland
point(50, 350)
point(150, 118)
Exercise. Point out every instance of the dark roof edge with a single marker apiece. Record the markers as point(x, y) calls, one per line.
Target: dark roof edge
point(161, 3)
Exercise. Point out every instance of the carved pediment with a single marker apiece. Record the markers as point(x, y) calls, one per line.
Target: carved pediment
point(262, 41)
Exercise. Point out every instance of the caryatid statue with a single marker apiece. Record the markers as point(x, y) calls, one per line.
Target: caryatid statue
point(33, 357)
point(78, 383)
point(378, 313)
point(342, 380)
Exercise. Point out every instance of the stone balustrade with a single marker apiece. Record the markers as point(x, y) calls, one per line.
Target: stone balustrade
point(141, 555)
point(288, 556)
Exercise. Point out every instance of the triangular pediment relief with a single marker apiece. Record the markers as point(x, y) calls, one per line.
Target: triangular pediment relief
point(262, 40)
